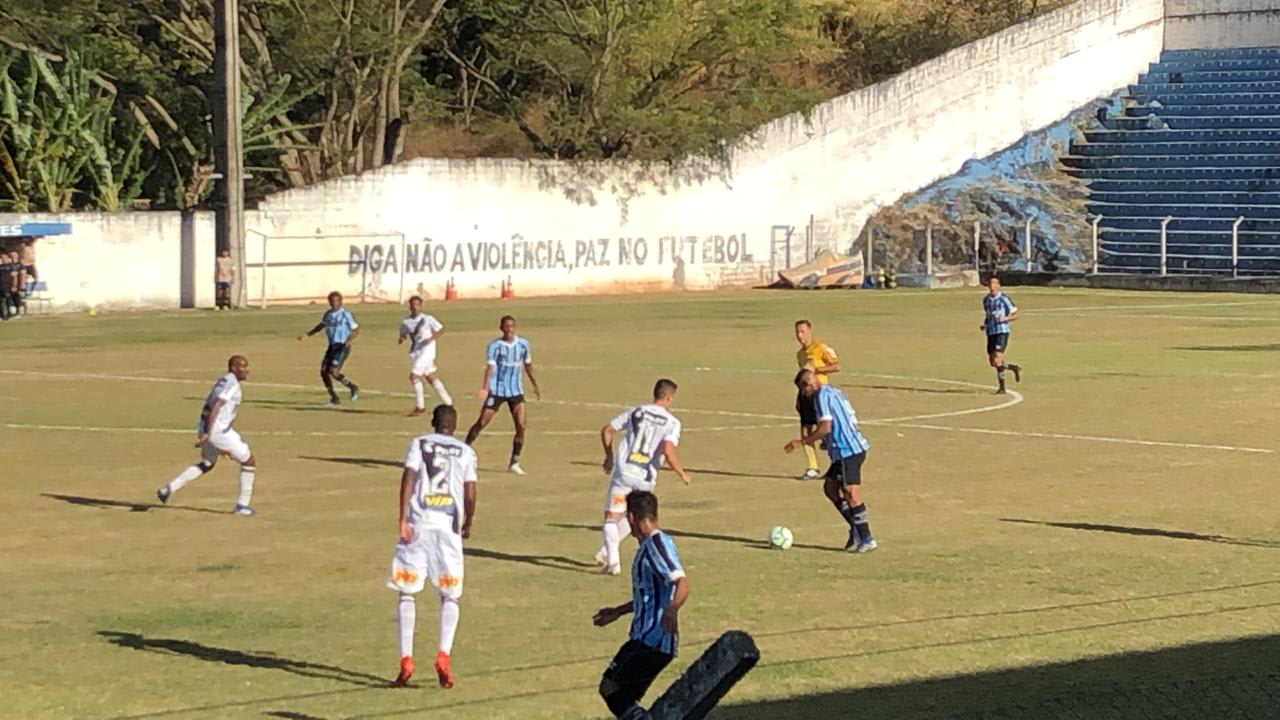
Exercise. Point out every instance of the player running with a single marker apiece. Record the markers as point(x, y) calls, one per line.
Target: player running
point(838, 425)
point(1000, 311)
point(650, 435)
point(216, 437)
point(817, 356)
point(422, 331)
point(340, 326)
point(658, 590)
point(437, 505)
point(503, 383)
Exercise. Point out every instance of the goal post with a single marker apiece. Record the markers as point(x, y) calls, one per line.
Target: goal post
point(294, 269)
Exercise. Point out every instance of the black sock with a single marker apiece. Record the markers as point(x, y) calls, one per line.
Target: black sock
point(847, 513)
point(328, 384)
point(516, 447)
point(860, 523)
point(345, 382)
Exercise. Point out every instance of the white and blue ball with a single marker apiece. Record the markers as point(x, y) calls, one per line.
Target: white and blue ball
point(780, 538)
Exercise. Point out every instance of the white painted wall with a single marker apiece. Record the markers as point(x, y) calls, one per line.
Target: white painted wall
point(121, 260)
point(1191, 24)
point(852, 155)
point(558, 228)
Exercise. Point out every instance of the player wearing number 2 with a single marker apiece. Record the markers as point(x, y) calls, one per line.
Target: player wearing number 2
point(437, 505)
point(650, 434)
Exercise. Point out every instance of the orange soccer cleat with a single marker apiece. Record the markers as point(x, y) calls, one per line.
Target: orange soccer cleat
point(443, 671)
point(406, 672)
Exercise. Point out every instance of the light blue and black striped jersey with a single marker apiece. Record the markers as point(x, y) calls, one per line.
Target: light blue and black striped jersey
point(338, 325)
point(997, 308)
point(845, 439)
point(654, 573)
point(508, 360)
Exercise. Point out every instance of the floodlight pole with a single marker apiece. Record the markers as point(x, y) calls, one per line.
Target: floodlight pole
point(1096, 221)
point(228, 137)
point(1235, 247)
point(1164, 245)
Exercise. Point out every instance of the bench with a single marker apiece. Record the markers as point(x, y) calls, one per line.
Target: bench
point(37, 296)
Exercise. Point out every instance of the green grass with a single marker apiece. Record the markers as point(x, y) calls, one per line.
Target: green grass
point(1048, 566)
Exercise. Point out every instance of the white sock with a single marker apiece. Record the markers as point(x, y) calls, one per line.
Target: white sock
point(246, 485)
point(624, 528)
point(444, 394)
point(611, 541)
point(418, 394)
point(407, 615)
point(449, 612)
point(186, 476)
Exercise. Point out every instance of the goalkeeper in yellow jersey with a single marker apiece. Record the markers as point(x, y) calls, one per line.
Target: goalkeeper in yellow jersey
point(817, 356)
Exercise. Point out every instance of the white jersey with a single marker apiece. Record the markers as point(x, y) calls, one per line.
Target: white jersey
point(419, 331)
point(638, 452)
point(443, 464)
point(227, 389)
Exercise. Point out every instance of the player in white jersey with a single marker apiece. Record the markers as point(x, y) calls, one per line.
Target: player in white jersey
point(650, 434)
point(437, 504)
point(216, 437)
point(422, 331)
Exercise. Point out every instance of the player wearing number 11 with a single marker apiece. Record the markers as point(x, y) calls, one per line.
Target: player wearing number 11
point(437, 505)
point(650, 434)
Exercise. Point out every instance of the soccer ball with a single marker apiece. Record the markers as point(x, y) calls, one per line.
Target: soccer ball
point(780, 538)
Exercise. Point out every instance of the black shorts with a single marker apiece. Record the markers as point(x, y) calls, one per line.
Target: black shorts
point(335, 356)
point(997, 343)
point(807, 407)
point(847, 471)
point(632, 671)
point(493, 402)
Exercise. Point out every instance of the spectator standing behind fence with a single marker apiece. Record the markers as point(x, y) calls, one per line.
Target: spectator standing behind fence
point(6, 282)
point(223, 275)
point(29, 260)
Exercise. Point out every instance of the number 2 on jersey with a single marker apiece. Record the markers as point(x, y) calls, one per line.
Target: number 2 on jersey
point(437, 469)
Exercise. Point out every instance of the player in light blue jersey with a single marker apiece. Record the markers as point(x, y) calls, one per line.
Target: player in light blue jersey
point(507, 360)
point(847, 448)
point(1000, 311)
point(340, 326)
point(659, 589)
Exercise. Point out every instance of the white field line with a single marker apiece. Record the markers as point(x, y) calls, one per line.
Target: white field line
point(901, 422)
point(329, 433)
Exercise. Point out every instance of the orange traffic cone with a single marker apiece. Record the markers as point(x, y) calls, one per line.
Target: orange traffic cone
point(508, 290)
point(450, 291)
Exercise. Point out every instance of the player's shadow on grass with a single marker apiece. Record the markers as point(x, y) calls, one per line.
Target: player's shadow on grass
point(914, 389)
point(1147, 532)
point(701, 471)
point(1269, 347)
point(551, 562)
point(745, 542)
point(108, 503)
point(361, 462)
point(305, 406)
point(227, 656)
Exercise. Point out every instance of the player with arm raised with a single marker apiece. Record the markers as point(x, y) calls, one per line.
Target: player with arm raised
point(437, 506)
point(659, 589)
point(216, 437)
point(999, 312)
point(340, 326)
point(507, 360)
point(650, 434)
point(838, 425)
point(422, 331)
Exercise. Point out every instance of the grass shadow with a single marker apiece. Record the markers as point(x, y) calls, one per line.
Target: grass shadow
point(108, 504)
point(1269, 347)
point(551, 562)
point(1146, 532)
point(745, 542)
point(360, 462)
point(1235, 679)
point(228, 656)
point(701, 471)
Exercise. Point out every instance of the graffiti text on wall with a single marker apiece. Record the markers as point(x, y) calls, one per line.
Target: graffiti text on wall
point(430, 256)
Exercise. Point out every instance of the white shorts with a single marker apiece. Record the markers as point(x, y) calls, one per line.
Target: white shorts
point(422, 364)
point(615, 498)
point(433, 554)
point(225, 443)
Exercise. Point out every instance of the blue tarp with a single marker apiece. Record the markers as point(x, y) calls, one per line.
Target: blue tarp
point(38, 229)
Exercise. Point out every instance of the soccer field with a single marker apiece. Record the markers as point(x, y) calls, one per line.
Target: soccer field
point(1106, 538)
